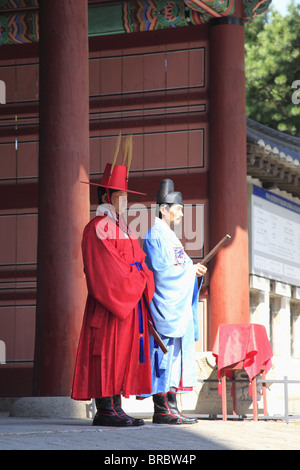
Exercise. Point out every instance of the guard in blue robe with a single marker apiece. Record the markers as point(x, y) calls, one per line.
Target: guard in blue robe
point(174, 308)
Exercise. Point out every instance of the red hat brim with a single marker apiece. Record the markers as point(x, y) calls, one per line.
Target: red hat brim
point(115, 177)
point(115, 188)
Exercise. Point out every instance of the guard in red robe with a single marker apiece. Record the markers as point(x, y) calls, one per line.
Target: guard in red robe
point(113, 356)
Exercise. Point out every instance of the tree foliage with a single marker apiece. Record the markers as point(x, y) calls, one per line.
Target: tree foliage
point(272, 60)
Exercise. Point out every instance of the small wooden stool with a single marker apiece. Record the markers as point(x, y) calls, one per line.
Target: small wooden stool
point(233, 368)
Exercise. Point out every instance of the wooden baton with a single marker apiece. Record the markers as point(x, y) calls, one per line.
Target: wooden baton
point(157, 337)
point(215, 250)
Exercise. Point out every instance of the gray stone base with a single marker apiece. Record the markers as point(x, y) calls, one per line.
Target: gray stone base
point(51, 407)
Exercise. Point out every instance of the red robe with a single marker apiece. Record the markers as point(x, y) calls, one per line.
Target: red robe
point(108, 357)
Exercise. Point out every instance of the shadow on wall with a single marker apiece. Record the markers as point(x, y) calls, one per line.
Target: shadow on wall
point(205, 400)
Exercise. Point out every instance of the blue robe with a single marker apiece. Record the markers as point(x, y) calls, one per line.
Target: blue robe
point(174, 308)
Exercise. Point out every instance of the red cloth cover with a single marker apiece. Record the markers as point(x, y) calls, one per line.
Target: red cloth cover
point(107, 361)
point(246, 342)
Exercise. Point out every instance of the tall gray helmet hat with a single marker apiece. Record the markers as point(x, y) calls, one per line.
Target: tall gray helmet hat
point(166, 193)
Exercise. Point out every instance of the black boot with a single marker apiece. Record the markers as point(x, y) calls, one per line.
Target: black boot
point(118, 408)
point(172, 401)
point(107, 415)
point(162, 412)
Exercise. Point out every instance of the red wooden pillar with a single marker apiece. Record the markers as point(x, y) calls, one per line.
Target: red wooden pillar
point(63, 200)
point(229, 274)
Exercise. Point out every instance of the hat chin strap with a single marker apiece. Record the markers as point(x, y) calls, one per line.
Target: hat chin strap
point(108, 196)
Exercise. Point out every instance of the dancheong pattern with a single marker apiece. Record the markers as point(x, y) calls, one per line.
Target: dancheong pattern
point(212, 8)
point(19, 27)
point(19, 19)
point(143, 15)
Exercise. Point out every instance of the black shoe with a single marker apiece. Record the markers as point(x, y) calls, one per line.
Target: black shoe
point(172, 401)
point(162, 412)
point(107, 416)
point(118, 408)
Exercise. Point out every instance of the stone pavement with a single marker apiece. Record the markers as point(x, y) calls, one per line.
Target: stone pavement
point(78, 434)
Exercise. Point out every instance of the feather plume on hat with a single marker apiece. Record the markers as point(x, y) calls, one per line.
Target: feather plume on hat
point(116, 176)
